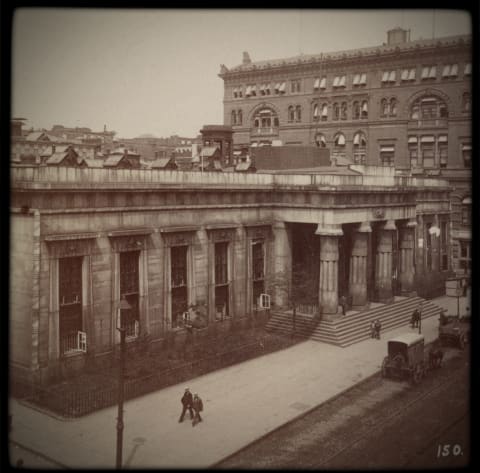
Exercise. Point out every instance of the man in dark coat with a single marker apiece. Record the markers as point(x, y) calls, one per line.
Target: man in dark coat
point(187, 402)
point(378, 327)
point(197, 407)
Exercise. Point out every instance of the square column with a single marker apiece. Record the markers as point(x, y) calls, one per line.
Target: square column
point(358, 266)
point(383, 263)
point(328, 283)
point(282, 263)
point(407, 268)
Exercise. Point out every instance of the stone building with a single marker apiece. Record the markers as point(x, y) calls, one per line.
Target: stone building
point(404, 104)
point(83, 239)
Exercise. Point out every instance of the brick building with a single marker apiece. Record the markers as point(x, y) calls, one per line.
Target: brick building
point(404, 104)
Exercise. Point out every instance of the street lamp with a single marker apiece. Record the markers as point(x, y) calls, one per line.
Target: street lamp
point(124, 305)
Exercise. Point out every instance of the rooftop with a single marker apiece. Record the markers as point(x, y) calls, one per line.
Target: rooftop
point(350, 53)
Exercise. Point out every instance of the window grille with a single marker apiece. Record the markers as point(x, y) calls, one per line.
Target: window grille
point(264, 301)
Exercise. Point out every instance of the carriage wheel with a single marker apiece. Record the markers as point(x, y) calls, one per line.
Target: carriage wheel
point(384, 367)
point(417, 374)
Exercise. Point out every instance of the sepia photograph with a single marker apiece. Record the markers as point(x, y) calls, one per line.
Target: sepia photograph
point(240, 238)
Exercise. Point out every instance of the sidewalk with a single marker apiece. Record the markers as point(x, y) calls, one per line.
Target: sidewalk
point(241, 403)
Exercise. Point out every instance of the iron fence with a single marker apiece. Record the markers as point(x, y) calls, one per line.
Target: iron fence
point(76, 401)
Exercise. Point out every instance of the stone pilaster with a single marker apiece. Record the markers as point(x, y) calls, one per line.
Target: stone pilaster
point(435, 249)
point(282, 263)
point(358, 266)
point(328, 283)
point(406, 257)
point(383, 263)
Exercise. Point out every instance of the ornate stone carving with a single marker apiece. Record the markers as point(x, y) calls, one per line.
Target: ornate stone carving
point(379, 212)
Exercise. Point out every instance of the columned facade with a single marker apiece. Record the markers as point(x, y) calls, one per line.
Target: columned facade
point(358, 266)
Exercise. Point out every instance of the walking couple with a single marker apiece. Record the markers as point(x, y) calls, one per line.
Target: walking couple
point(191, 402)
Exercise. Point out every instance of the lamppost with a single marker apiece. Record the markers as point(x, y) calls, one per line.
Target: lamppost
point(124, 305)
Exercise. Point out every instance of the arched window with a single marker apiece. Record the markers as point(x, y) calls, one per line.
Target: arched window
point(428, 108)
point(316, 114)
point(359, 147)
point(393, 107)
point(384, 108)
point(239, 117)
point(336, 111)
point(339, 140)
point(234, 117)
point(320, 140)
point(324, 112)
point(344, 110)
point(466, 102)
point(298, 113)
point(291, 113)
point(364, 113)
point(264, 119)
point(356, 110)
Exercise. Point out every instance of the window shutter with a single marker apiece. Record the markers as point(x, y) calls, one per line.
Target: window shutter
point(411, 74)
point(454, 70)
point(446, 70)
point(323, 83)
point(392, 76)
point(404, 75)
point(385, 76)
point(317, 83)
point(336, 81)
point(468, 69)
point(433, 72)
point(425, 72)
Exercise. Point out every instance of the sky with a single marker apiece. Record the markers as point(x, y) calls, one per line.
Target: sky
point(155, 71)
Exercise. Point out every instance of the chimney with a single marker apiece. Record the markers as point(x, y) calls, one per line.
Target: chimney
point(246, 58)
point(396, 36)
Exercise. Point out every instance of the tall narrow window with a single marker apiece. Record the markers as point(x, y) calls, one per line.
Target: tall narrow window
point(336, 111)
point(465, 259)
point(384, 108)
point(359, 148)
point(444, 245)
point(239, 117)
point(324, 112)
point(234, 117)
point(70, 303)
point(467, 155)
point(428, 246)
point(291, 113)
point(356, 110)
point(466, 102)
point(315, 112)
point(344, 110)
point(413, 151)
point(298, 113)
point(221, 280)
point(427, 147)
point(178, 256)
point(320, 140)
point(364, 113)
point(393, 107)
point(129, 289)
point(258, 269)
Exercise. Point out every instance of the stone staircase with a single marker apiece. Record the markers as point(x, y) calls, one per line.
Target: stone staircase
point(355, 326)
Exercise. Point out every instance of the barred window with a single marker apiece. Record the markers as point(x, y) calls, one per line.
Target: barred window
point(221, 263)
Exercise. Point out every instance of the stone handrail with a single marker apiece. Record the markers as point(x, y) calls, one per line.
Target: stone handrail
point(42, 177)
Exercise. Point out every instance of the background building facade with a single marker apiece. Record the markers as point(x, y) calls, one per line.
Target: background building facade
point(404, 104)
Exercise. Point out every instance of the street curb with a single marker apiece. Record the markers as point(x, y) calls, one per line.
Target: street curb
point(300, 416)
point(294, 419)
point(40, 455)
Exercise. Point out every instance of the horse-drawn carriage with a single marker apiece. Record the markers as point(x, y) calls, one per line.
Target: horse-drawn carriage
point(407, 359)
point(454, 330)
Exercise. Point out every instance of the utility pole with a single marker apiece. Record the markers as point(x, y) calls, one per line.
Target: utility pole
point(124, 305)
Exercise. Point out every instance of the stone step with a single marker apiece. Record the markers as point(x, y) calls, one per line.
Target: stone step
point(353, 327)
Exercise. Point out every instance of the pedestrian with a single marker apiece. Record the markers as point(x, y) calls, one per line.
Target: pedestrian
point(372, 329)
point(378, 327)
point(416, 316)
point(187, 402)
point(197, 407)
